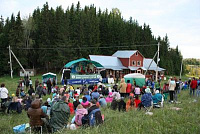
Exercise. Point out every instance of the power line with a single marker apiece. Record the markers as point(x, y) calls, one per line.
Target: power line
point(79, 47)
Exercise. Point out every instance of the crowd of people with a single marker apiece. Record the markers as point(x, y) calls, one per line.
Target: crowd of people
point(85, 103)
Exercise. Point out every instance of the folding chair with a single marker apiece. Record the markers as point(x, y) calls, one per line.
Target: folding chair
point(36, 127)
point(148, 109)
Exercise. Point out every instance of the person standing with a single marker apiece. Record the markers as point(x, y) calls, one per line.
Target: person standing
point(128, 88)
point(54, 82)
point(3, 93)
point(122, 87)
point(36, 83)
point(49, 85)
point(27, 84)
point(172, 86)
point(193, 86)
point(39, 90)
point(30, 83)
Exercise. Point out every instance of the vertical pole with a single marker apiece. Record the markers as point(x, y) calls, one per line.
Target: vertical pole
point(181, 68)
point(157, 61)
point(11, 71)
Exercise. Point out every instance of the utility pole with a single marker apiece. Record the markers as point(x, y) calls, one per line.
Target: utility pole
point(158, 59)
point(10, 62)
point(150, 63)
point(18, 62)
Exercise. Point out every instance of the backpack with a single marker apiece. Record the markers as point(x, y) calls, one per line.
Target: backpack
point(95, 117)
point(85, 120)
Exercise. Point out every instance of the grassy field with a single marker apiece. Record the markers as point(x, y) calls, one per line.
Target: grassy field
point(163, 121)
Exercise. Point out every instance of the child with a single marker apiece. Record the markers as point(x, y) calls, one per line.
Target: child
point(137, 90)
point(22, 93)
point(137, 101)
point(71, 107)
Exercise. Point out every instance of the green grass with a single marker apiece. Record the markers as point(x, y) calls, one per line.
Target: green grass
point(163, 121)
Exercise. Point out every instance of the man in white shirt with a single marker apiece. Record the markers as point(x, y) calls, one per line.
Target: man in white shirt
point(3, 93)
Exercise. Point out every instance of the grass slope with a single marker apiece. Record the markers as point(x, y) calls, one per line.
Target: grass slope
point(163, 121)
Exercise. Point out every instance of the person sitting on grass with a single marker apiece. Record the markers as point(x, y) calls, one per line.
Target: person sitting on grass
point(22, 93)
point(109, 98)
point(71, 106)
point(36, 115)
point(85, 103)
point(130, 104)
point(157, 97)
point(121, 105)
point(102, 101)
point(132, 93)
point(114, 104)
point(94, 114)
point(146, 100)
point(95, 95)
point(81, 111)
point(75, 94)
point(76, 102)
point(59, 114)
point(31, 91)
point(86, 94)
point(116, 95)
point(18, 91)
point(137, 101)
point(27, 102)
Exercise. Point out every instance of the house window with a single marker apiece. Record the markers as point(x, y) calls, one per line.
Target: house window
point(138, 63)
point(136, 53)
point(139, 71)
point(134, 63)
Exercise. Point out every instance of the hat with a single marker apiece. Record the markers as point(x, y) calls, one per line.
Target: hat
point(93, 101)
point(13, 95)
point(147, 90)
point(157, 91)
point(101, 96)
point(65, 85)
point(49, 100)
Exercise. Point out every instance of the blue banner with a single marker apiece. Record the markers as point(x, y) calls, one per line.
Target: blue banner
point(82, 81)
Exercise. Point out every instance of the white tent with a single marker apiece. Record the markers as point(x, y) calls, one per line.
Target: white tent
point(50, 75)
point(134, 75)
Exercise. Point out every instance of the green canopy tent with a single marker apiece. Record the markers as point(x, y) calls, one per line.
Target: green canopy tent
point(96, 64)
point(137, 77)
point(50, 75)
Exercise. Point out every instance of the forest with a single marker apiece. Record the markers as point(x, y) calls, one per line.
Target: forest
point(49, 38)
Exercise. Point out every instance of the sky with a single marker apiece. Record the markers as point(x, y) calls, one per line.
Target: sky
point(179, 19)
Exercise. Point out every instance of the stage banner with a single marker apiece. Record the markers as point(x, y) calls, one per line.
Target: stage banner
point(89, 76)
point(82, 81)
point(74, 81)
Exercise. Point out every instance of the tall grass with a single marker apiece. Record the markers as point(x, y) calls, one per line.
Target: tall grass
point(163, 121)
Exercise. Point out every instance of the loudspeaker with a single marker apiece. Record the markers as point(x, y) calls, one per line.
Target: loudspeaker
point(66, 74)
point(103, 74)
